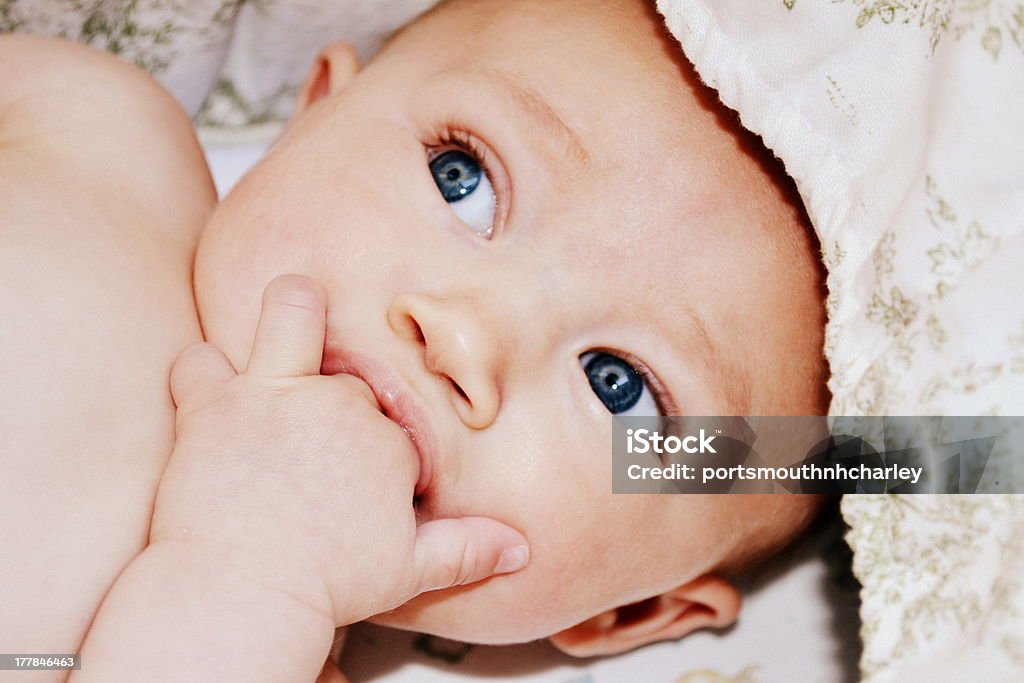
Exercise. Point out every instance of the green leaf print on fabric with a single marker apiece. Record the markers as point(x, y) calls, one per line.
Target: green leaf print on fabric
point(995, 24)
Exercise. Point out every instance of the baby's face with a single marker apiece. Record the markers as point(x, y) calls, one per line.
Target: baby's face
point(526, 219)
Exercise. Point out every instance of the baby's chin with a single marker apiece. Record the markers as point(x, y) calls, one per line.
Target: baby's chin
point(471, 621)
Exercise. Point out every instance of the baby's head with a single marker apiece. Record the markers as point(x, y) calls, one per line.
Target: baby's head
point(528, 216)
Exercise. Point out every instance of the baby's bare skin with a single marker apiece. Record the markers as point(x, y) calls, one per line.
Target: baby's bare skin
point(112, 233)
point(103, 192)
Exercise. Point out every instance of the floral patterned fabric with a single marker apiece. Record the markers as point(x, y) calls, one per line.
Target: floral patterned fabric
point(901, 123)
point(233, 64)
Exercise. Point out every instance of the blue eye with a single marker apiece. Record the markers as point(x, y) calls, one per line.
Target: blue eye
point(466, 187)
point(457, 175)
point(618, 385)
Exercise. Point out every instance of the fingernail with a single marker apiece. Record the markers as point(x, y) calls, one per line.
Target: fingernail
point(512, 559)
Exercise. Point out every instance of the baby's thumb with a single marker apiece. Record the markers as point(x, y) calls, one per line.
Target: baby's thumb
point(453, 552)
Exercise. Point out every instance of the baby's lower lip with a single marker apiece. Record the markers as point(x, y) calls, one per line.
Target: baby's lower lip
point(424, 474)
point(423, 478)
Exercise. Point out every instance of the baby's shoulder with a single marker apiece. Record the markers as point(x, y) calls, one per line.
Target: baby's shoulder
point(74, 111)
point(103, 193)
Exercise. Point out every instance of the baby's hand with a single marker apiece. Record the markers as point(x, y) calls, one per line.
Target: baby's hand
point(297, 481)
point(286, 510)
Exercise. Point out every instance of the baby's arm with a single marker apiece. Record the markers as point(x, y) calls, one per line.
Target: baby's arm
point(285, 511)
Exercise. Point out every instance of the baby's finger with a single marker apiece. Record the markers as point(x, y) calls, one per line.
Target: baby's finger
point(454, 552)
point(197, 366)
point(290, 334)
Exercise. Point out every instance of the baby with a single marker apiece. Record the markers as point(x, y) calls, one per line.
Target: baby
point(524, 217)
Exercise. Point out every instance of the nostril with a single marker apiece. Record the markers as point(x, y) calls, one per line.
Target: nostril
point(472, 413)
point(458, 390)
point(406, 326)
point(416, 332)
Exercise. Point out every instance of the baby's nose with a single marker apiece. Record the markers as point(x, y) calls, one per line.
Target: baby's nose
point(459, 346)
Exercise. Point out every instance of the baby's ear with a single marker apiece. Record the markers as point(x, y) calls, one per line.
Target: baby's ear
point(334, 68)
point(706, 601)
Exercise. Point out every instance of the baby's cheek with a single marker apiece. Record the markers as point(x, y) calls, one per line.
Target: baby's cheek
point(575, 546)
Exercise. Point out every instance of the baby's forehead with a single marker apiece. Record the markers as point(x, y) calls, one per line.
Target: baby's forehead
point(607, 70)
point(563, 37)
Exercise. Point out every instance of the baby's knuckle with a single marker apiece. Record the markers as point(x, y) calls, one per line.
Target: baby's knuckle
point(470, 557)
point(416, 583)
point(450, 576)
point(455, 567)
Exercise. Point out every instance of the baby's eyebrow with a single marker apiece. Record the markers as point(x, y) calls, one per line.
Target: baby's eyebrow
point(531, 103)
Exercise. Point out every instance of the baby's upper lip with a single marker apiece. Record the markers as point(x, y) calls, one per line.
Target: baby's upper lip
point(396, 399)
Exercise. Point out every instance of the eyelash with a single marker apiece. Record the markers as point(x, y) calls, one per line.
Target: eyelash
point(450, 136)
